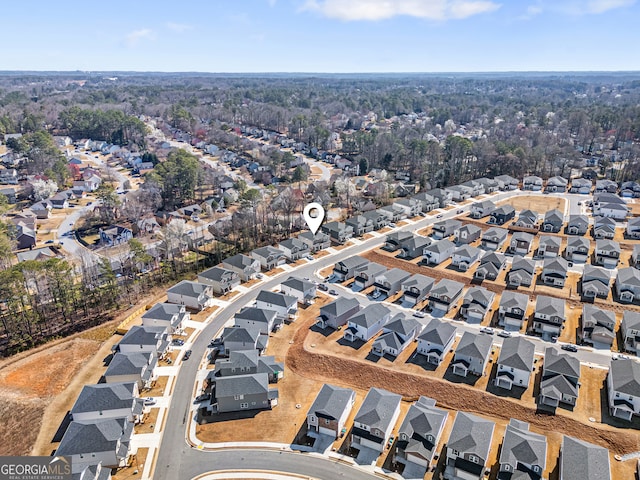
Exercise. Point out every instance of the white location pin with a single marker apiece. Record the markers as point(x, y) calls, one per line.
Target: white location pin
point(314, 215)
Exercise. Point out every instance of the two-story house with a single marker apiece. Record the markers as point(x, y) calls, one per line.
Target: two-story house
point(339, 232)
point(244, 392)
point(482, 209)
point(436, 340)
point(507, 182)
point(366, 276)
point(522, 451)
point(527, 219)
point(502, 215)
point(395, 240)
point(549, 316)
point(285, 306)
point(330, 410)
point(360, 224)
point(549, 246)
point(467, 234)
point(144, 340)
point(316, 242)
point(349, 267)
point(269, 257)
point(221, 280)
point(595, 282)
point(577, 225)
point(633, 228)
point(520, 243)
point(303, 290)
point(494, 238)
point(445, 228)
point(465, 256)
point(598, 326)
point(132, 367)
point(627, 285)
point(560, 379)
point(247, 362)
point(522, 272)
point(415, 289)
point(512, 310)
point(630, 330)
point(604, 227)
point(246, 267)
point(293, 249)
point(396, 336)
point(573, 453)
point(577, 250)
point(556, 185)
point(554, 271)
point(607, 253)
point(336, 314)
point(581, 185)
point(476, 303)
point(388, 283)
point(444, 295)
point(363, 325)
point(414, 247)
point(108, 400)
point(623, 385)
point(515, 363)
point(490, 266)
point(194, 295)
point(472, 354)
point(438, 252)
point(167, 315)
point(532, 182)
point(375, 419)
point(468, 447)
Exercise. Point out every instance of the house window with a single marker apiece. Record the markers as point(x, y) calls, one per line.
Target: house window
point(244, 405)
point(238, 397)
point(455, 452)
point(327, 421)
point(617, 394)
point(474, 459)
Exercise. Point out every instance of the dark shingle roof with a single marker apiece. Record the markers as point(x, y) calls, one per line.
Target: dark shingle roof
point(471, 434)
point(104, 396)
point(581, 460)
point(331, 401)
point(378, 408)
point(518, 353)
point(438, 332)
point(625, 376)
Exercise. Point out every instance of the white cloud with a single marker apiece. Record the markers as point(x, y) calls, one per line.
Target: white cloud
point(350, 10)
point(575, 7)
point(179, 27)
point(136, 36)
point(601, 6)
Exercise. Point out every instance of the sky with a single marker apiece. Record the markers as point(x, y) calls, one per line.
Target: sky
point(333, 36)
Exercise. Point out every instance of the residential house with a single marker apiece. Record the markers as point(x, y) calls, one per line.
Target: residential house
point(443, 196)
point(490, 266)
point(502, 215)
point(438, 252)
point(494, 238)
point(553, 221)
point(465, 256)
point(614, 210)
point(390, 282)
point(336, 314)
point(627, 284)
point(143, 339)
point(330, 410)
point(490, 184)
point(512, 310)
point(595, 282)
point(577, 225)
point(549, 316)
point(393, 213)
point(414, 247)
point(42, 210)
point(360, 224)
point(255, 318)
point(472, 354)
point(221, 280)
point(40, 254)
point(482, 209)
point(244, 392)
point(577, 249)
point(396, 335)
point(395, 240)
point(532, 182)
point(8, 176)
point(607, 253)
point(375, 419)
point(10, 194)
point(556, 184)
point(338, 232)
point(598, 326)
point(520, 243)
point(366, 276)
point(507, 182)
point(633, 228)
point(522, 272)
point(415, 289)
point(167, 315)
point(363, 325)
point(630, 331)
point(467, 234)
point(316, 242)
point(238, 338)
point(468, 447)
point(411, 206)
point(303, 290)
point(248, 362)
point(523, 453)
point(108, 400)
point(436, 340)
point(581, 185)
point(420, 434)
point(623, 385)
point(285, 306)
point(515, 363)
point(604, 227)
point(379, 220)
point(429, 202)
point(634, 261)
point(630, 189)
point(554, 271)
point(90, 443)
point(349, 267)
point(293, 249)
point(445, 229)
point(527, 219)
point(476, 303)
point(445, 295)
point(560, 379)
point(580, 460)
point(269, 257)
point(246, 267)
point(459, 193)
point(115, 235)
point(197, 296)
point(549, 246)
point(132, 367)
point(25, 235)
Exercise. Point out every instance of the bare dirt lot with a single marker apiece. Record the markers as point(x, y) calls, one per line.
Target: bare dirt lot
point(537, 203)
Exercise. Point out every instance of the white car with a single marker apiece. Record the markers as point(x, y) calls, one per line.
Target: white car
point(487, 330)
point(149, 401)
point(419, 314)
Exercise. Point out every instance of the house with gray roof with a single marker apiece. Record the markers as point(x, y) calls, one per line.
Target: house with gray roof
point(560, 379)
point(93, 472)
point(630, 330)
point(577, 250)
point(242, 338)
point(616, 210)
point(627, 284)
point(606, 186)
point(482, 209)
point(395, 240)
point(396, 335)
point(577, 225)
point(520, 243)
point(633, 228)
point(581, 185)
point(598, 326)
point(459, 193)
point(338, 232)
point(411, 206)
point(532, 182)
point(549, 316)
point(393, 212)
point(285, 306)
point(244, 392)
point(167, 315)
point(607, 253)
point(363, 325)
point(554, 271)
point(623, 384)
point(512, 310)
point(132, 367)
point(366, 276)
point(436, 340)
point(144, 340)
point(522, 272)
point(96, 442)
point(269, 257)
point(468, 447)
point(527, 219)
point(490, 184)
point(262, 319)
point(293, 249)
point(414, 246)
point(445, 228)
point(523, 453)
point(476, 303)
point(303, 290)
point(390, 282)
point(595, 282)
point(108, 400)
point(429, 202)
point(444, 295)
point(580, 460)
point(507, 182)
point(490, 266)
point(335, 314)
point(348, 268)
point(420, 434)
point(556, 184)
point(246, 267)
point(415, 289)
point(604, 227)
point(465, 256)
point(634, 261)
point(467, 234)
point(375, 419)
point(194, 295)
point(515, 363)
point(248, 362)
point(360, 224)
point(330, 410)
point(494, 238)
point(549, 246)
point(222, 280)
point(472, 354)
point(316, 242)
point(438, 252)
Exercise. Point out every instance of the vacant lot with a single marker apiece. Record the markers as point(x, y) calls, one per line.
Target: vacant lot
point(537, 203)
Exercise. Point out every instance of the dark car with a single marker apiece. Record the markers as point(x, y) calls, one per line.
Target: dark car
point(187, 354)
point(439, 216)
point(203, 397)
point(569, 347)
point(323, 287)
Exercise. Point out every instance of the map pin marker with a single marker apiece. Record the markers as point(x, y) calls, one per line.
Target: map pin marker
point(314, 215)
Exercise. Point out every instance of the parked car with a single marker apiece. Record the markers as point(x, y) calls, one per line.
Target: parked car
point(48, 242)
point(187, 354)
point(620, 356)
point(460, 211)
point(376, 294)
point(504, 334)
point(419, 314)
point(487, 330)
point(569, 347)
point(323, 287)
point(178, 341)
point(439, 215)
point(260, 276)
point(149, 401)
point(333, 292)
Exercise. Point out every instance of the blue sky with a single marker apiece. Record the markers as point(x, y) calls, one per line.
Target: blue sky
point(321, 35)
